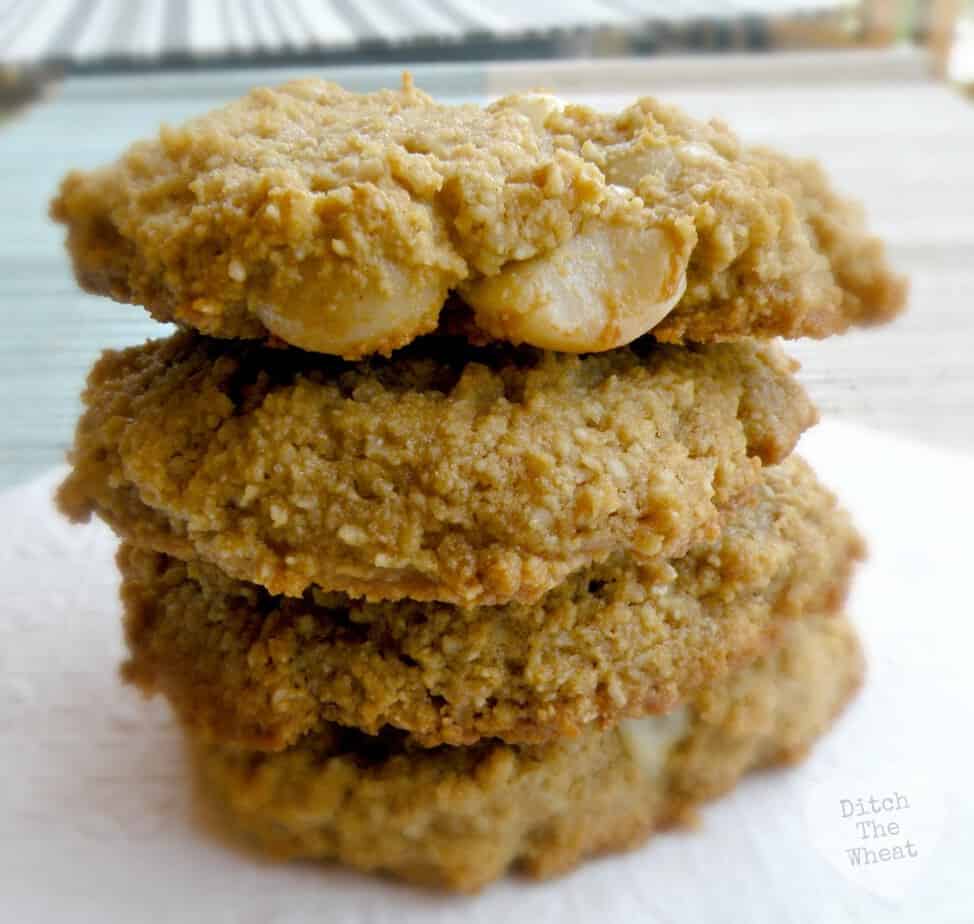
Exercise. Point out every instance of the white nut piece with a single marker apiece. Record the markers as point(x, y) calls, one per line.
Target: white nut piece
point(599, 290)
point(649, 740)
point(536, 106)
point(353, 322)
point(627, 163)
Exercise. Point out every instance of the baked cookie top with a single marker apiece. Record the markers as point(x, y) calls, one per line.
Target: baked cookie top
point(460, 817)
point(448, 472)
point(614, 639)
point(339, 222)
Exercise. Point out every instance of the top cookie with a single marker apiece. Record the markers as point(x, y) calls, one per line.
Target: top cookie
point(340, 222)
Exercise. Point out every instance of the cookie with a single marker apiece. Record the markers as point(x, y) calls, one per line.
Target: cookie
point(446, 473)
point(339, 222)
point(615, 639)
point(460, 817)
point(804, 266)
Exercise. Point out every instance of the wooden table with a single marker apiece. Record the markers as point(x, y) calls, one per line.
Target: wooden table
point(901, 142)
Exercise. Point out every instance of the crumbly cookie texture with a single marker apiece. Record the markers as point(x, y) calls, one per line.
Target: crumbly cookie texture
point(447, 472)
point(779, 252)
point(460, 817)
point(244, 667)
point(338, 222)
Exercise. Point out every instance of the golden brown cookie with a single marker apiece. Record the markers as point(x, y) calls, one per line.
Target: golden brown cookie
point(447, 472)
point(339, 222)
point(779, 252)
point(460, 817)
point(615, 639)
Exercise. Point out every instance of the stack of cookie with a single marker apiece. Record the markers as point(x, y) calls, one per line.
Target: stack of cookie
point(459, 523)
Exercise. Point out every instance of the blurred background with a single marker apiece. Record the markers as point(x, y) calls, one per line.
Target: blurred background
point(108, 36)
point(881, 91)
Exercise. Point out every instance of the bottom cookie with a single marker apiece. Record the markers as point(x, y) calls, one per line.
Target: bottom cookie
point(459, 817)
